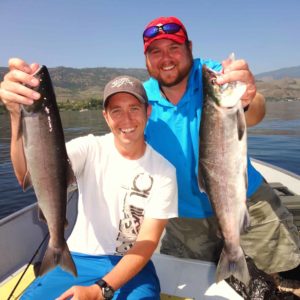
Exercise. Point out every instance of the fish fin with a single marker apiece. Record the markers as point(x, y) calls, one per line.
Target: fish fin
point(71, 178)
point(241, 124)
point(246, 179)
point(244, 220)
point(219, 233)
point(41, 215)
point(238, 268)
point(26, 183)
point(201, 182)
point(66, 224)
point(57, 256)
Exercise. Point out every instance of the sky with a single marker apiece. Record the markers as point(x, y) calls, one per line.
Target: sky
point(108, 33)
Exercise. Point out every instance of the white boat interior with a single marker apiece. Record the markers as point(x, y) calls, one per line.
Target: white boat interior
point(21, 234)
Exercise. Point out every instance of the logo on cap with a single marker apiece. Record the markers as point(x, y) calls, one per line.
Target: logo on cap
point(121, 81)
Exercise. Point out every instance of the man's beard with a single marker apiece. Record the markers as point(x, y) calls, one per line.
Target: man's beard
point(181, 75)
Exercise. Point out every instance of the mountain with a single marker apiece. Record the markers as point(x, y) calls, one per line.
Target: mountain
point(82, 84)
point(72, 85)
point(293, 72)
point(282, 84)
point(281, 89)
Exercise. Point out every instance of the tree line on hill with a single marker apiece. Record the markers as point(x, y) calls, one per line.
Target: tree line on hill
point(83, 88)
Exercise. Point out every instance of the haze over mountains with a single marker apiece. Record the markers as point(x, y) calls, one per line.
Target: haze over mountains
point(282, 84)
point(292, 72)
point(82, 84)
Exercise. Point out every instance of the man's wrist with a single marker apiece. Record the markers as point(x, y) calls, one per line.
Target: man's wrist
point(107, 291)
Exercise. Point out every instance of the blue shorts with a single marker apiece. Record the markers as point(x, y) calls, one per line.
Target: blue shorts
point(145, 285)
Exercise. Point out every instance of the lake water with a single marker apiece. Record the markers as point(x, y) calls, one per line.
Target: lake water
point(275, 140)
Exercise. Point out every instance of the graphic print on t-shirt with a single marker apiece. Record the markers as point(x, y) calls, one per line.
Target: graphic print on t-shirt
point(133, 211)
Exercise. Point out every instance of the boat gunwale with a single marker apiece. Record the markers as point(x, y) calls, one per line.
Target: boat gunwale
point(17, 213)
point(277, 168)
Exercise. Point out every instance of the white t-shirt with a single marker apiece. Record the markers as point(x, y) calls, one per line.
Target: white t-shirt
point(116, 194)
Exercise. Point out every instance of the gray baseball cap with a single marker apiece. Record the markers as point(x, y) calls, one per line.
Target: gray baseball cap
point(125, 84)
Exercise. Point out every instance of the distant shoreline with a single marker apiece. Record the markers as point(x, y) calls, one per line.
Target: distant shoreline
point(95, 104)
point(72, 85)
point(80, 105)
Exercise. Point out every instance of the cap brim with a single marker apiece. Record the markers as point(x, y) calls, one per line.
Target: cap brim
point(106, 100)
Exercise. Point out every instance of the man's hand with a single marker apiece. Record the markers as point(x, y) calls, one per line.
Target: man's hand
point(13, 91)
point(92, 292)
point(238, 70)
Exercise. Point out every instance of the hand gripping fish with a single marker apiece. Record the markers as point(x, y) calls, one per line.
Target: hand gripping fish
point(49, 170)
point(222, 170)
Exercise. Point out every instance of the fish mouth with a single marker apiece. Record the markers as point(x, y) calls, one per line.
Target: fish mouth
point(227, 95)
point(212, 76)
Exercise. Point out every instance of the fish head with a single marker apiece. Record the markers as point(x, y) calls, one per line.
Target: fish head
point(226, 95)
point(45, 88)
point(35, 107)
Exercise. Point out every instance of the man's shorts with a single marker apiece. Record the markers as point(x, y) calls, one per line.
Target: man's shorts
point(145, 285)
point(272, 240)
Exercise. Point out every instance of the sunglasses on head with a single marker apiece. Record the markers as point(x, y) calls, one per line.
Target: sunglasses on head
point(169, 28)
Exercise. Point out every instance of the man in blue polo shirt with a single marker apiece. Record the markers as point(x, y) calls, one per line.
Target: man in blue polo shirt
point(175, 93)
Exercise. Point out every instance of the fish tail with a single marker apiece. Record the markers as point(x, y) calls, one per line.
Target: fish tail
point(237, 268)
point(58, 256)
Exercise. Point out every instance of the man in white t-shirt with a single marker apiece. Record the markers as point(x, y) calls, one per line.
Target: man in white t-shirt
point(127, 192)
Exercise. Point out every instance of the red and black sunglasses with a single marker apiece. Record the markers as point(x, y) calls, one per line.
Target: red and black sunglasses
point(169, 28)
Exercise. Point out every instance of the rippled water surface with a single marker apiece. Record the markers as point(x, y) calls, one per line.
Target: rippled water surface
point(275, 140)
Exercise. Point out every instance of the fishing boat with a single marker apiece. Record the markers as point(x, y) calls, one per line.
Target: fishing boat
point(22, 247)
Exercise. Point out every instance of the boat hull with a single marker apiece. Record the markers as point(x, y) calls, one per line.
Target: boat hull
point(21, 234)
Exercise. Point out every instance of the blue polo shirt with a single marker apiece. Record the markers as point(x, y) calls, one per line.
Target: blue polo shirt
point(173, 130)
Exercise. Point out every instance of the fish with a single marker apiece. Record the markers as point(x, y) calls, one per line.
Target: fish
point(222, 168)
point(49, 171)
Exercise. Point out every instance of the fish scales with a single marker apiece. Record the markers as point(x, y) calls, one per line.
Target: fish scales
point(49, 170)
point(222, 171)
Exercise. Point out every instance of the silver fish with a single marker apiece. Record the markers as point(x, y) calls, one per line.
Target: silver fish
point(49, 170)
point(222, 170)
